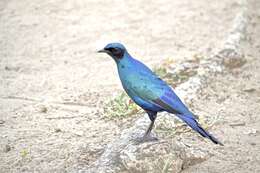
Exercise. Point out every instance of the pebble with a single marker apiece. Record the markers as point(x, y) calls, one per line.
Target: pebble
point(57, 130)
point(7, 148)
point(79, 133)
point(237, 124)
point(249, 90)
point(43, 109)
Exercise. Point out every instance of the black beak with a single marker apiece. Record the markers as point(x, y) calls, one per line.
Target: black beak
point(102, 51)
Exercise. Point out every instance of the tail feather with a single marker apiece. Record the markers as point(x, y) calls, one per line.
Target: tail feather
point(195, 126)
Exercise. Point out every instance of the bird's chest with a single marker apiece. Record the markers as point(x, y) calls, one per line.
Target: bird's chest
point(130, 83)
point(136, 85)
point(130, 80)
point(138, 92)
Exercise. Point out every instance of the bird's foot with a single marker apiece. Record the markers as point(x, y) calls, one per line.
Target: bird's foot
point(146, 138)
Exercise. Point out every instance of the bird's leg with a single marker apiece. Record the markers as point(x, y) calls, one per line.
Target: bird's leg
point(148, 131)
point(147, 136)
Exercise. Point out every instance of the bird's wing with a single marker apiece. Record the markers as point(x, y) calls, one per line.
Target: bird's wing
point(145, 85)
point(172, 103)
point(152, 89)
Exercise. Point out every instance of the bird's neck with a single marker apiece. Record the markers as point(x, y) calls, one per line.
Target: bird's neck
point(126, 61)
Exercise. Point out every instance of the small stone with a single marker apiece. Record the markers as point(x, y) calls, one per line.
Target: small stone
point(79, 133)
point(249, 90)
point(7, 148)
point(253, 143)
point(43, 109)
point(237, 124)
point(2, 121)
point(8, 68)
point(57, 130)
point(232, 59)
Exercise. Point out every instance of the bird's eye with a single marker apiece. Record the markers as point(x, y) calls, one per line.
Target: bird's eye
point(111, 50)
point(116, 51)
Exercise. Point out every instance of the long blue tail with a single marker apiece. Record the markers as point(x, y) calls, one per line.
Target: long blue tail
point(195, 126)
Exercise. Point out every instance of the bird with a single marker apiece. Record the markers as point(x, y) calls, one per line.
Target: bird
point(150, 92)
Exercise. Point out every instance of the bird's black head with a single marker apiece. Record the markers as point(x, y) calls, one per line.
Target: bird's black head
point(115, 50)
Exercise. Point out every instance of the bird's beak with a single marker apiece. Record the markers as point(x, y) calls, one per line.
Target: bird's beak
point(102, 51)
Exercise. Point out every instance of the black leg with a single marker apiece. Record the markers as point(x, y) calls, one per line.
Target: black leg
point(152, 115)
point(147, 136)
point(148, 131)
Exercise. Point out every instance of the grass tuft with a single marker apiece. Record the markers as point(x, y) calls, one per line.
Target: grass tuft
point(174, 79)
point(120, 107)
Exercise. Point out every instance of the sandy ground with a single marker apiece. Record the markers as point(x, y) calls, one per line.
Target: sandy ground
point(235, 95)
point(53, 82)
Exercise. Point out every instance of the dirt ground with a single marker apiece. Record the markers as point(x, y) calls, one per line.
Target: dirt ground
point(53, 83)
point(235, 96)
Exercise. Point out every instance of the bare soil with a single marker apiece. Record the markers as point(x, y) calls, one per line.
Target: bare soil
point(235, 96)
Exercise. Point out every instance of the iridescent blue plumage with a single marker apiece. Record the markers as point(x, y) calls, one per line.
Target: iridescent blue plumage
point(148, 91)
